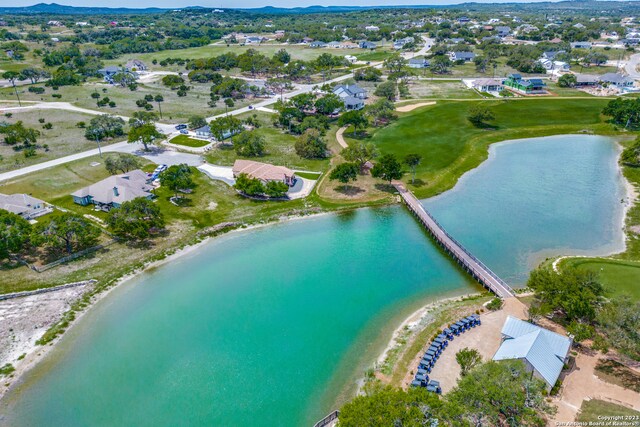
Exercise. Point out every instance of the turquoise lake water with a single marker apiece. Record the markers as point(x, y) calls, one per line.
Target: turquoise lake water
point(268, 327)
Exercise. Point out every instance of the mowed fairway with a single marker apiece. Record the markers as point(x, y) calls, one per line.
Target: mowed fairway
point(450, 145)
point(620, 277)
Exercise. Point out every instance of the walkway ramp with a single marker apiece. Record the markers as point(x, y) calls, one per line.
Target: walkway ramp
point(466, 259)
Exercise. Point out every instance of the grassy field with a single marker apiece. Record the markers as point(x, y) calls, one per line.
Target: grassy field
point(175, 109)
point(620, 277)
point(450, 145)
point(188, 142)
point(441, 89)
point(63, 139)
point(279, 147)
point(296, 51)
point(592, 409)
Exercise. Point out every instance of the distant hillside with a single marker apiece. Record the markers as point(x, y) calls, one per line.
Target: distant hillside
point(59, 9)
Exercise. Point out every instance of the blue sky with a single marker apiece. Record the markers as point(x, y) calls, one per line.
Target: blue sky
point(241, 3)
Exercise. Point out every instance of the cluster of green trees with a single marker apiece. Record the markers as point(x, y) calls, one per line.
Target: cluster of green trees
point(624, 111)
point(255, 188)
point(631, 155)
point(577, 299)
point(492, 393)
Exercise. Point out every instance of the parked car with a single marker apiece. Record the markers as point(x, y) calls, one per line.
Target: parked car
point(160, 169)
point(250, 107)
point(181, 126)
point(184, 132)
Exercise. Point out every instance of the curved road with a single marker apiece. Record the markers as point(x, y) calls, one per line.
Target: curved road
point(631, 67)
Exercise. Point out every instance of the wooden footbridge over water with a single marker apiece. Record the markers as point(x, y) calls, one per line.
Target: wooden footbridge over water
point(466, 259)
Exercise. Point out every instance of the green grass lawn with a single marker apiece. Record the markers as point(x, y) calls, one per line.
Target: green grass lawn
point(63, 139)
point(376, 55)
point(308, 175)
point(620, 277)
point(450, 145)
point(592, 409)
point(188, 142)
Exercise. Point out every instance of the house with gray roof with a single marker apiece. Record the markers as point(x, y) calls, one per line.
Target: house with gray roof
point(503, 31)
point(418, 63)
point(115, 190)
point(353, 96)
point(543, 352)
point(26, 206)
point(367, 45)
point(617, 80)
point(462, 56)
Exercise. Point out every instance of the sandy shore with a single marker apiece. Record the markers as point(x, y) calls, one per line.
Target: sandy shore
point(18, 344)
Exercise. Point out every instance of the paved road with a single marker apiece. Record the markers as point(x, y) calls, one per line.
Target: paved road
point(631, 67)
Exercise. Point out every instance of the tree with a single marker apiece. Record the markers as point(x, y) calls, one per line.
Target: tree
point(225, 126)
point(440, 64)
point(387, 90)
point(249, 186)
point(139, 118)
point(624, 111)
point(177, 178)
point(122, 163)
point(468, 358)
point(388, 168)
point(620, 322)
point(496, 392)
point(172, 80)
point(14, 233)
point(381, 111)
point(395, 63)
point(570, 294)
point(359, 152)
point(276, 189)
point(388, 406)
point(18, 135)
point(355, 118)
point(124, 78)
point(147, 134)
point(249, 144)
point(367, 74)
point(196, 122)
point(159, 99)
point(104, 126)
point(12, 76)
point(345, 172)
point(329, 104)
point(567, 80)
point(479, 114)
point(135, 220)
point(311, 145)
point(34, 74)
point(413, 161)
point(66, 231)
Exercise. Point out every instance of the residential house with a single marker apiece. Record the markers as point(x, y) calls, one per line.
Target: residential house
point(464, 20)
point(543, 352)
point(581, 45)
point(462, 56)
point(352, 96)
point(503, 31)
point(265, 172)
point(26, 206)
point(351, 59)
point(135, 65)
point(108, 72)
point(204, 131)
point(334, 45)
point(418, 63)
point(317, 44)
point(518, 84)
point(550, 65)
point(587, 80)
point(401, 43)
point(115, 190)
point(372, 28)
point(488, 85)
point(367, 45)
point(551, 55)
point(617, 80)
point(254, 40)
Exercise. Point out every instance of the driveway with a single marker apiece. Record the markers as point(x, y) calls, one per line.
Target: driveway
point(301, 189)
point(220, 173)
point(631, 67)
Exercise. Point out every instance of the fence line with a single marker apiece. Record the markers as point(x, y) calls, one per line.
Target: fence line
point(45, 290)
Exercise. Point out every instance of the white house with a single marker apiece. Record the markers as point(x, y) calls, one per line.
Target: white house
point(26, 206)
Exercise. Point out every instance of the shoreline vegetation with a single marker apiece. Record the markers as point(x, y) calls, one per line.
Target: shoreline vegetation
point(474, 153)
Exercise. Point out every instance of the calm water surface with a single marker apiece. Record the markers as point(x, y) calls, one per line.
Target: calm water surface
point(273, 326)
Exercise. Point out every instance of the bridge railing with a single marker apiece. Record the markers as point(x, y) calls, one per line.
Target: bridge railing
point(464, 249)
point(328, 419)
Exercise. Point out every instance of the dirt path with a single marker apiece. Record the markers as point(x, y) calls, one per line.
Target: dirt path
point(411, 107)
point(582, 384)
point(340, 138)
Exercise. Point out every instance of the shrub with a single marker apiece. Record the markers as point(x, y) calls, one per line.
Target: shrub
point(495, 304)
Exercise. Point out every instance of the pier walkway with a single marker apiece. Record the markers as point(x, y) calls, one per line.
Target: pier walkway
point(466, 259)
